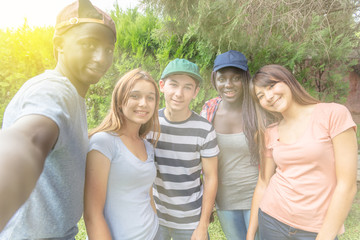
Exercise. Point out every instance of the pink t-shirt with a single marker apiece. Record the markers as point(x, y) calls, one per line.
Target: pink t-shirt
point(300, 191)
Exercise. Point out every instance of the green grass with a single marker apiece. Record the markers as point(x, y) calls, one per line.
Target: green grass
point(352, 225)
point(82, 231)
point(215, 230)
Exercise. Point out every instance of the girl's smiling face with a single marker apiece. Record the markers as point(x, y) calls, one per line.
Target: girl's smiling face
point(229, 84)
point(141, 104)
point(276, 97)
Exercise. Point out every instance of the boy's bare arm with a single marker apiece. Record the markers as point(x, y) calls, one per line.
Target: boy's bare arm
point(23, 150)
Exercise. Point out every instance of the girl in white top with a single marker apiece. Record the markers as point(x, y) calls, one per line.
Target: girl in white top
point(120, 166)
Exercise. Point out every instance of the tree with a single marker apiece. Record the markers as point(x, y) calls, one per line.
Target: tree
point(313, 38)
point(297, 34)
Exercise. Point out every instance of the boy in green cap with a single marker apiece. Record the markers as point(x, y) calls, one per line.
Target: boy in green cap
point(43, 142)
point(187, 147)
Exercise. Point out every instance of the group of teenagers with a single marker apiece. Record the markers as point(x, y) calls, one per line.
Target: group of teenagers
point(274, 161)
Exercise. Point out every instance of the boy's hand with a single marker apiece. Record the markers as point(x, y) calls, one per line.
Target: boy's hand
point(200, 233)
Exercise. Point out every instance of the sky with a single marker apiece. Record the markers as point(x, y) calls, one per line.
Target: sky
point(44, 12)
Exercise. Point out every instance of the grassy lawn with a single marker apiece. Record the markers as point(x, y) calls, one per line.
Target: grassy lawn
point(352, 225)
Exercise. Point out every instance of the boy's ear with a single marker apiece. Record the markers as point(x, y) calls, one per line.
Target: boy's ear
point(58, 43)
point(161, 85)
point(196, 92)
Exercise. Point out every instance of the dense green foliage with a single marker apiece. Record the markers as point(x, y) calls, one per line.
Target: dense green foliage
point(24, 53)
point(313, 38)
point(317, 54)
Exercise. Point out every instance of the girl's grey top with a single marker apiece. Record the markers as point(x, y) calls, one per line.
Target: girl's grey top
point(237, 177)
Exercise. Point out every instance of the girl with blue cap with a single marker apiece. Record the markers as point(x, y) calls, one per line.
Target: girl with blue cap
point(229, 113)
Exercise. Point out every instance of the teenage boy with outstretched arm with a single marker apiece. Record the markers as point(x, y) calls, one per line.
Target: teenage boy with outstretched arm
point(43, 142)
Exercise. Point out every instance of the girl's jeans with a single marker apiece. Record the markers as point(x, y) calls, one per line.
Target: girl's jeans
point(272, 229)
point(235, 223)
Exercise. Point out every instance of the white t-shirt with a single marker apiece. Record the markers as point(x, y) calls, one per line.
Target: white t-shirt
point(56, 204)
point(127, 209)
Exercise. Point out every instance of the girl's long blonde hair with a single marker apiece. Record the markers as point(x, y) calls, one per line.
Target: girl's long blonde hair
point(115, 119)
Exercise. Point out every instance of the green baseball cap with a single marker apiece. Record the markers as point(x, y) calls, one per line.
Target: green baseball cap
point(182, 66)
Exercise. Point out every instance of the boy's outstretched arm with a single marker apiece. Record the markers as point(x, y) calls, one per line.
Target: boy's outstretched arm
point(23, 149)
point(210, 178)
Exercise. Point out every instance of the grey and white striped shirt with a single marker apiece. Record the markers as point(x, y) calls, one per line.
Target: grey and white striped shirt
point(178, 189)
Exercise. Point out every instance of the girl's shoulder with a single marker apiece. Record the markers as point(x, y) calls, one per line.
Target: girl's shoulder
point(329, 109)
point(209, 108)
point(333, 117)
point(102, 136)
point(214, 100)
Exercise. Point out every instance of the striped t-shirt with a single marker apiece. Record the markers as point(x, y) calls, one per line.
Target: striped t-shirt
point(178, 189)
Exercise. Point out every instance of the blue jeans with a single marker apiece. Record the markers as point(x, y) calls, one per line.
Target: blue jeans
point(166, 233)
point(272, 229)
point(235, 223)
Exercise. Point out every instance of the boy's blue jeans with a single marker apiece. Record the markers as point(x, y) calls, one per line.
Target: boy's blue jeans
point(272, 229)
point(166, 233)
point(235, 223)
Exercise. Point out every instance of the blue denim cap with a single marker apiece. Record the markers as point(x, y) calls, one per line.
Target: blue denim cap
point(231, 58)
point(182, 66)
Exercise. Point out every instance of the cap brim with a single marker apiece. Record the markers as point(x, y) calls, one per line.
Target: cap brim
point(198, 78)
point(230, 65)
